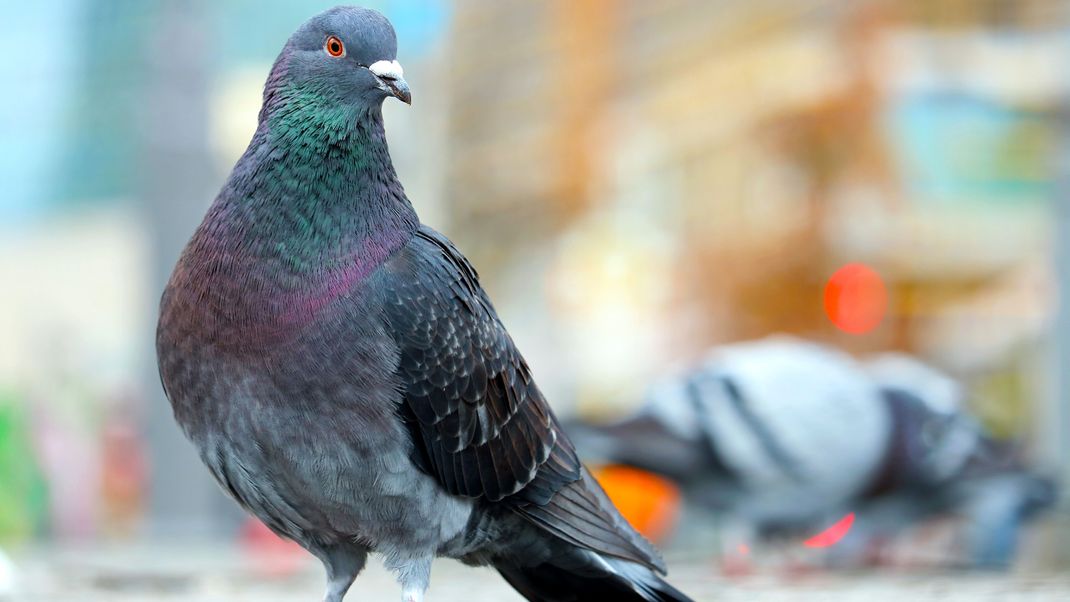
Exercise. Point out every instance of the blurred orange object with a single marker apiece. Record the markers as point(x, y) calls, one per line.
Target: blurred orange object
point(649, 502)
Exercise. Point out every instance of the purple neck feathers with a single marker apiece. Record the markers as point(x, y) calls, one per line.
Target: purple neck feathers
point(311, 209)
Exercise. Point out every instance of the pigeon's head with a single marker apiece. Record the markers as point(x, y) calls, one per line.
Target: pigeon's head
point(346, 55)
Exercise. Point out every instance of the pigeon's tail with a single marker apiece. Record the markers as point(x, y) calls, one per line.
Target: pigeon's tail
point(586, 575)
point(643, 442)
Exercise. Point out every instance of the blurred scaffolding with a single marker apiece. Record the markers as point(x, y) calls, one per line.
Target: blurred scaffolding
point(709, 168)
point(635, 181)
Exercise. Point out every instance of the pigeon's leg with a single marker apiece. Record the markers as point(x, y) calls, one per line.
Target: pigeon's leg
point(343, 564)
point(738, 536)
point(413, 573)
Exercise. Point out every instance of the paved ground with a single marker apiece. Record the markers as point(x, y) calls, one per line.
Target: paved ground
point(202, 574)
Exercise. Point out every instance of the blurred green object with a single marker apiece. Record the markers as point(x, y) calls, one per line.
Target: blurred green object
point(23, 491)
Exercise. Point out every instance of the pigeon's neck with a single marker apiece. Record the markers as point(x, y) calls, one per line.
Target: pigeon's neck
point(329, 166)
point(312, 208)
point(317, 184)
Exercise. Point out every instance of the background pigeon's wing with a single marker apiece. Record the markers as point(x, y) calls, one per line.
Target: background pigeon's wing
point(479, 422)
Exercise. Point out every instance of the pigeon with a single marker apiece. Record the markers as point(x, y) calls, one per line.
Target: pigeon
point(344, 376)
point(942, 462)
point(783, 436)
point(773, 431)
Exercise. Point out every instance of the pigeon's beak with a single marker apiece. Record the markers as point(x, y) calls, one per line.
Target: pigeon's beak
point(400, 90)
point(390, 77)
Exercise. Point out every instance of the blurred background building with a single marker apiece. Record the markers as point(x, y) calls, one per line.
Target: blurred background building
point(635, 181)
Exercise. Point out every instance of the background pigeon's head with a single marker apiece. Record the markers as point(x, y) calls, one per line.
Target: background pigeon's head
point(346, 55)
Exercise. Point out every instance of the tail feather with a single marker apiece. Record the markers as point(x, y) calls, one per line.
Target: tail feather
point(581, 514)
point(585, 575)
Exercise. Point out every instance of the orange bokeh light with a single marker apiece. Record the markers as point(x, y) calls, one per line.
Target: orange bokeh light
point(856, 298)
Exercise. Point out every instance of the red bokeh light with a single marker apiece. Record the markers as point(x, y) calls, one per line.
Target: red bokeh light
point(833, 534)
point(856, 298)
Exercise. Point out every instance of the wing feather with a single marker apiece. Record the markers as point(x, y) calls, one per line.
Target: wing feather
point(479, 423)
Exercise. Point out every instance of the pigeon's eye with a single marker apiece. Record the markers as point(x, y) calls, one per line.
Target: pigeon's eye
point(335, 47)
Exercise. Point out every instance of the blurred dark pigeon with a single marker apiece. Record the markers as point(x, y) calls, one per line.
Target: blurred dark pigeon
point(344, 376)
point(784, 436)
point(942, 462)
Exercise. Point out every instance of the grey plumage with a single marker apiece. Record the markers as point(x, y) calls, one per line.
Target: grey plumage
point(344, 376)
point(784, 435)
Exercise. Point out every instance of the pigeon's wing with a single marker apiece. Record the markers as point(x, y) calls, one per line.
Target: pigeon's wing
point(479, 423)
point(483, 427)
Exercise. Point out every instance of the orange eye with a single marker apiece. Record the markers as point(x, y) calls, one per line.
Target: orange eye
point(335, 47)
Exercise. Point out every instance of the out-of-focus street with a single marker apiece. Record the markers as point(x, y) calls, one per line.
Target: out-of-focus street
point(200, 574)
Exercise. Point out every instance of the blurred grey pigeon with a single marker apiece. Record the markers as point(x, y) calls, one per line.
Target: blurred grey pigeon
point(344, 376)
point(785, 435)
point(774, 431)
